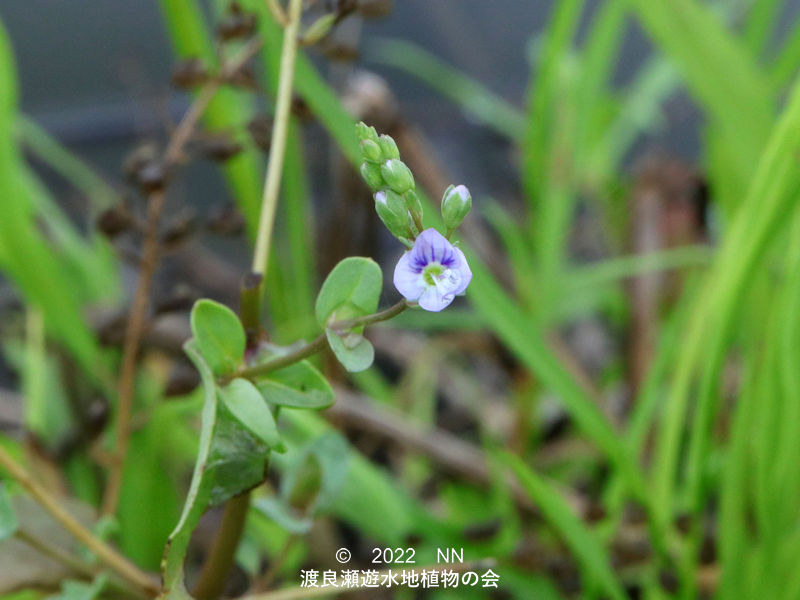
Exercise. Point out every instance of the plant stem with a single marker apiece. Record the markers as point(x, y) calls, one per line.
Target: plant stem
point(150, 250)
point(105, 553)
point(220, 557)
point(211, 582)
point(319, 342)
point(280, 128)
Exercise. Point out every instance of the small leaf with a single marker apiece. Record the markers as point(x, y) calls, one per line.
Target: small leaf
point(351, 290)
point(8, 518)
point(245, 402)
point(299, 385)
point(352, 350)
point(219, 336)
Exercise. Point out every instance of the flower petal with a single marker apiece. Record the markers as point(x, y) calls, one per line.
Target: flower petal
point(434, 301)
point(463, 268)
point(407, 279)
point(431, 246)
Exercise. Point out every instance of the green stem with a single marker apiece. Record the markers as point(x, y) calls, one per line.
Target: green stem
point(211, 582)
point(280, 128)
point(319, 343)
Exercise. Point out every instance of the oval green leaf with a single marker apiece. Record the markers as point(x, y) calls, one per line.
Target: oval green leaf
point(299, 385)
point(351, 290)
point(352, 350)
point(246, 404)
point(219, 336)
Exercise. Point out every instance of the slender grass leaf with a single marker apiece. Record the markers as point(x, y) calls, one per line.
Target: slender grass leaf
point(581, 541)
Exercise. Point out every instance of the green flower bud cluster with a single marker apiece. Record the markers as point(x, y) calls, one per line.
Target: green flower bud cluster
point(396, 200)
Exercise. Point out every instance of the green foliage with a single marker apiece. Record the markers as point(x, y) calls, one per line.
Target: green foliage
point(581, 541)
point(299, 385)
point(351, 290)
point(353, 350)
point(247, 405)
point(230, 460)
point(219, 336)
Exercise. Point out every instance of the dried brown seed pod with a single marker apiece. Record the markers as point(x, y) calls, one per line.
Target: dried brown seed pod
point(189, 73)
point(226, 220)
point(152, 177)
point(115, 220)
point(218, 146)
point(181, 227)
point(237, 25)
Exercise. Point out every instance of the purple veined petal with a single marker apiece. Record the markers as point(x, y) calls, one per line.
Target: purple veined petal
point(433, 300)
point(463, 267)
point(407, 278)
point(431, 246)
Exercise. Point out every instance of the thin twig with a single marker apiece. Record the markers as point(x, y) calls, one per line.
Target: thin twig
point(319, 343)
point(105, 553)
point(147, 266)
point(297, 593)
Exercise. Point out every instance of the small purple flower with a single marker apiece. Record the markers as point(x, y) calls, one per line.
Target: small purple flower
point(433, 272)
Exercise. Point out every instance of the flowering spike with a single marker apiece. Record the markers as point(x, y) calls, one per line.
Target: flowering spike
point(456, 204)
point(433, 272)
point(397, 175)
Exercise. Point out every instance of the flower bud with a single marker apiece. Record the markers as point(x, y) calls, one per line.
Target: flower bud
point(456, 204)
point(388, 147)
point(397, 176)
point(413, 204)
point(391, 208)
point(364, 132)
point(372, 175)
point(371, 151)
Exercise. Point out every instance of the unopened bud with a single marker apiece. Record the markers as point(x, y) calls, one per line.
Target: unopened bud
point(397, 176)
point(371, 151)
point(388, 147)
point(456, 204)
point(413, 204)
point(391, 208)
point(365, 132)
point(372, 175)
